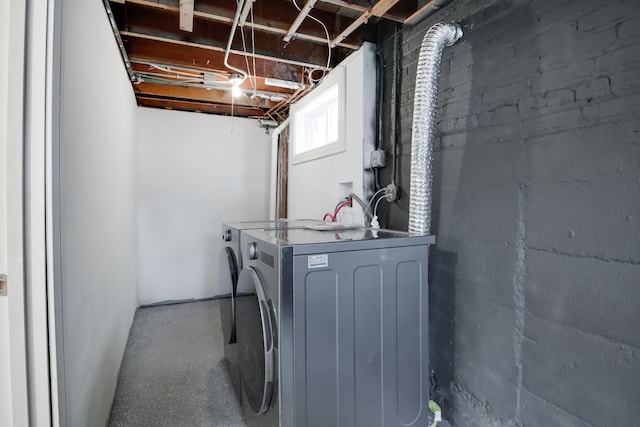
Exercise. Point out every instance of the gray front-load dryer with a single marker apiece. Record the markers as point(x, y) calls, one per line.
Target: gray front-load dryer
point(230, 264)
point(333, 328)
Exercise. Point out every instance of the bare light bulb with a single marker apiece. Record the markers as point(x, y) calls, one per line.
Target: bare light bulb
point(235, 91)
point(236, 79)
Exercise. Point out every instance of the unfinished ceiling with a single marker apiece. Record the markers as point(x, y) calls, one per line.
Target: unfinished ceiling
point(248, 58)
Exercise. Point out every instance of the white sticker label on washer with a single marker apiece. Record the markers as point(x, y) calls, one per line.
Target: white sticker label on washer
point(318, 261)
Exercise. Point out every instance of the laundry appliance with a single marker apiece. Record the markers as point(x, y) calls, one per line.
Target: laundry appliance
point(230, 264)
point(332, 328)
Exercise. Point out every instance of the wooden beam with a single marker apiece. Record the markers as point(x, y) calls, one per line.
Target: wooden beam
point(264, 22)
point(296, 23)
point(282, 174)
point(161, 23)
point(360, 8)
point(173, 72)
point(186, 15)
point(382, 6)
point(378, 10)
point(239, 53)
point(199, 94)
point(168, 52)
point(426, 10)
point(202, 107)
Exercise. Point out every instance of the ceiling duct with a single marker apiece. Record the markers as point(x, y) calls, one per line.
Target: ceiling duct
point(286, 84)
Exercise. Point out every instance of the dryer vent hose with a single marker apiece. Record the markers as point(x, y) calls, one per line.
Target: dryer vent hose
point(437, 38)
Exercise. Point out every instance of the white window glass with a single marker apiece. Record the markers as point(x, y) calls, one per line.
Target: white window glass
point(318, 120)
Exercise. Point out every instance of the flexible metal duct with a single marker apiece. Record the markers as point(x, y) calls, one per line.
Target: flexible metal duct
point(424, 123)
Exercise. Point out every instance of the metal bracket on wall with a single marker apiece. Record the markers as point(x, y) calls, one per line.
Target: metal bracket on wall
point(3, 285)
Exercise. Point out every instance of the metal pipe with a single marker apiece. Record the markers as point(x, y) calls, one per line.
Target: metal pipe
point(231, 34)
point(245, 12)
point(437, 38)
point(394, 139)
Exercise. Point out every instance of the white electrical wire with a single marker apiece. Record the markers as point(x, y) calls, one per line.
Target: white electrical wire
point(372, 198)
point(253, 51)
point(375, 209)
point(326, 32)
point(246, 59)
point(230, 42)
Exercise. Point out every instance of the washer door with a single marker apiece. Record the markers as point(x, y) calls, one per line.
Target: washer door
point(255, 341)
point(228, 282)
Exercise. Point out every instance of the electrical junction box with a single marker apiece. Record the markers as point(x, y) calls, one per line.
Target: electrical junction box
point(378, 159)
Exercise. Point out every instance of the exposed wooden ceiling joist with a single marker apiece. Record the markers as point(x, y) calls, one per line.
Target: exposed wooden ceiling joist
point(159, 23)
point(201, 107)
point(200, 94)
point(150, 71)
point(377, 10)
point(271, 22)
point(281, 41)
point(427, 9)
point(365, 6)
point(304, 12)
point(238, 54)
point(196, 56)
point(186, 15)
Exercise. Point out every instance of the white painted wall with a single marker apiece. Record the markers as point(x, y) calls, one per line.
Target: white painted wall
point(97, 211)
point(314, 186)
point(24, 357)
point(194, 172)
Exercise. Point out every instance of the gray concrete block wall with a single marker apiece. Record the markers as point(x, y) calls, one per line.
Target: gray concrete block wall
point(536, 274)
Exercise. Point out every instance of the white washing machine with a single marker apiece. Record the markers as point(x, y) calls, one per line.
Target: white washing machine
point(332, 328)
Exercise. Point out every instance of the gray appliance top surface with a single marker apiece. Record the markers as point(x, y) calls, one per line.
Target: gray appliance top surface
point(305, 240)
point(269, 224)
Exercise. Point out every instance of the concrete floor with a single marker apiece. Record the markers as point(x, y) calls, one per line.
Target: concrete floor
point(173, 372)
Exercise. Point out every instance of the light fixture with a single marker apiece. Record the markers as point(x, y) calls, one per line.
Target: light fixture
point(235, 80)
point(209, 78)
point(286, 84)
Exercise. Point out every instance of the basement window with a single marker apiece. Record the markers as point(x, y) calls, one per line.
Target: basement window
point(318, 120)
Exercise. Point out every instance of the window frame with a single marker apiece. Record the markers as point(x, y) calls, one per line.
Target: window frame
point(336, 77)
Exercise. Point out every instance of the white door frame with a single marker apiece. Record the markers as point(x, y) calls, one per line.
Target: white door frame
point(40, 85)
point(12, 144)
point(29, 50)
